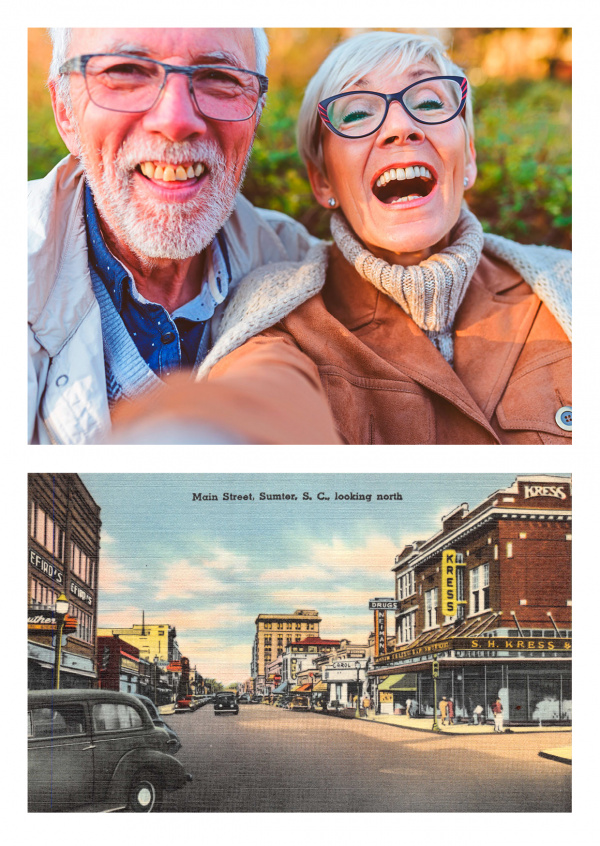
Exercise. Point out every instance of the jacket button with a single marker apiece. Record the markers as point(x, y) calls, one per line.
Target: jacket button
point(564, 418)
point(168, 337)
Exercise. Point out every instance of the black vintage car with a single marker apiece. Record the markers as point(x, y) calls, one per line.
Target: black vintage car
point(226, 702)
point(97, 750)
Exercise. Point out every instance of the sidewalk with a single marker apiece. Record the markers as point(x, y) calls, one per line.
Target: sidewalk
point(425, 724)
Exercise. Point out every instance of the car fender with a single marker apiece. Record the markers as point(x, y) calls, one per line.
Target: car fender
point(170, 771)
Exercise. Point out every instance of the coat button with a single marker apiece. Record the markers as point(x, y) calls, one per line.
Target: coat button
point(564, 418)
point(168, 337)
point(62, 380)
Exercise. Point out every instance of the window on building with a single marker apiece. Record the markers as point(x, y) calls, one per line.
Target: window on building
point(280, 626)
point(431, 601)
point(84, 623)
point(480, 588)
point(47, 532)
point(81, 564)
point(268, 626)
point(568, 537)
point(42, 594)
point(495, 552)
point(522, 535)
point(406, 585)
point(509, 549)
point(298, 627)
point(408, 627)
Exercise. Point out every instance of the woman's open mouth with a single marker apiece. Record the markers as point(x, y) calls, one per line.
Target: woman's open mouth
point(402, 185)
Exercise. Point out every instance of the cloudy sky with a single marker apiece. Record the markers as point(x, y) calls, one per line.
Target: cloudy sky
point(209, 567)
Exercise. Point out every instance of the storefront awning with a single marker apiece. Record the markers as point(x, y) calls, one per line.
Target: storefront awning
point(320, 687)
point(282, 688)
point(406, 681)
point(302, 688)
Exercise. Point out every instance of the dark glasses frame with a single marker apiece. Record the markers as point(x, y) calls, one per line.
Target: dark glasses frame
point(78, 64)
point(398, 97)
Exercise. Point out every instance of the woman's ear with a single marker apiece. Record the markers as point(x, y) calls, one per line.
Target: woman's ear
point(320, 185)
point(470, 164)
point(64, 120)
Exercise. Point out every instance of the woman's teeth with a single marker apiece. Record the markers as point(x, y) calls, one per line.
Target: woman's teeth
point(403, 173)
point(171, 173)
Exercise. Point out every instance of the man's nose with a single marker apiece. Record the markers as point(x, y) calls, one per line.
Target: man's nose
point(399, 127)
point(175, 115)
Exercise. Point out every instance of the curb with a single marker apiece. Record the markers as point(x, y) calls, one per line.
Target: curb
point(556, 755)
point(443, 733)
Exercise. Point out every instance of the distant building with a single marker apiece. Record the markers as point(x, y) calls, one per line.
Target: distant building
point(273, 633)
point(62, 558)
point(158, 647)
point(505, 631)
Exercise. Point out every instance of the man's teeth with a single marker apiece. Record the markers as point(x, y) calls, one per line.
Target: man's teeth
point(171, 173)
point(403, 173)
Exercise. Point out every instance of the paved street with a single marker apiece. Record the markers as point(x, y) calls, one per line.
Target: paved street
point(268, 759)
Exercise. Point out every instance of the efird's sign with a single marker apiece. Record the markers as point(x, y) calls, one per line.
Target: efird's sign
point(450, 601)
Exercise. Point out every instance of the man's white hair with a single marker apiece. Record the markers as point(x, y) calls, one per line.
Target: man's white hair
point(357, 57)
point(61, 40)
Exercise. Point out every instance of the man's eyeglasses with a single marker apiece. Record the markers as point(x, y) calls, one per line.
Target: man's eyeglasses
point(123, 82)
point(356, 114)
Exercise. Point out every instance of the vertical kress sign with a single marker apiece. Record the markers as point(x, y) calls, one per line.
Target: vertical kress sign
point(379, 606)
point(450, 601)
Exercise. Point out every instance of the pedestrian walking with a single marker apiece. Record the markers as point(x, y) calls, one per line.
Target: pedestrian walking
point(478, 715)
point(498, 716)
point(450, 711)
point(366, 703)
point(443, 709)
point(409, 703)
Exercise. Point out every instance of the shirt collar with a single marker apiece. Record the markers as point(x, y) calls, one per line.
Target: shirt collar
point(116, 277)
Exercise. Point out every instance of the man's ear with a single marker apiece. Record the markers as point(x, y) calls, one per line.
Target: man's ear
point(320, 185)
point(64, 120)
point(470, 164)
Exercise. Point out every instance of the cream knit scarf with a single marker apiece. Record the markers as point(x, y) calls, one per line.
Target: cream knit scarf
point(430, 292)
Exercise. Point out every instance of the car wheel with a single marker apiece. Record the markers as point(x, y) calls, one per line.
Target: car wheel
point(145, 793)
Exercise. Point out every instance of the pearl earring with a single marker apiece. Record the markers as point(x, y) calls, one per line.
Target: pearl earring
point(465, 181)
point(332, 202)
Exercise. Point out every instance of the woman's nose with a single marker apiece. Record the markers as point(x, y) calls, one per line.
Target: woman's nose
point(174, 114)
point(399, 128)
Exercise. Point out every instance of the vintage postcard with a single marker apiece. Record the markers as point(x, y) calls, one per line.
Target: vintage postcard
point(299, 642)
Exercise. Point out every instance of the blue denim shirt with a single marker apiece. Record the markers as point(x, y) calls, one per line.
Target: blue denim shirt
point(167, 342)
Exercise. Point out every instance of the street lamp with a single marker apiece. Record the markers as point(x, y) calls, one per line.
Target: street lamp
point(435, 672)
point(155, 676)
point(357, 665)
point(61, 608)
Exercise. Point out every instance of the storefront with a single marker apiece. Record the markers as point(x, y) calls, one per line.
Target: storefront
point(393, 691)
point(530, 675)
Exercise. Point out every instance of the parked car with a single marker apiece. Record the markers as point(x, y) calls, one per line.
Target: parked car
point(97, 750)
point(186, 703)
point(244, 699)
point(226, 703)
point(300, 703)
point(256, 700)
point(156, 716)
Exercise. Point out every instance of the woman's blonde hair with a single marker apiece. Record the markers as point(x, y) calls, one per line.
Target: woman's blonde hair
point(355, 58)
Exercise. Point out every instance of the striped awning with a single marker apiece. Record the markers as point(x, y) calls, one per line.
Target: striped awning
point(405, 681)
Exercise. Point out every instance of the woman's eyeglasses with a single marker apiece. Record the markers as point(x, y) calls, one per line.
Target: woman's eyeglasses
point(356, 114)
point(123, 82)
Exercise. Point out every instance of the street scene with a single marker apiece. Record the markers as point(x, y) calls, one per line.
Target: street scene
point(271, 759)
point(305, 642)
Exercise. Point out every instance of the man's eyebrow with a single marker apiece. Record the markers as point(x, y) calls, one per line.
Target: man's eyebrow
point(218, 57)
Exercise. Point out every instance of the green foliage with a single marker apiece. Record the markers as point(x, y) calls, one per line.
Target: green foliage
point(46, 147)
point(523, 142)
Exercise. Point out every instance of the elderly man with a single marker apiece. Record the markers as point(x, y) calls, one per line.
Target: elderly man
point(139, 236)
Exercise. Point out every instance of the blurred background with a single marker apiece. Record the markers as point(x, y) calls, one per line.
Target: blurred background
point(521, 79)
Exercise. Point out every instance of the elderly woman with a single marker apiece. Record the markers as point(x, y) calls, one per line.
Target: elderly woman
point(422, 329)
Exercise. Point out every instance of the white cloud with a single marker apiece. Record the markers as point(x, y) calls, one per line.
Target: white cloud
point(114, 577)
point(184, 580)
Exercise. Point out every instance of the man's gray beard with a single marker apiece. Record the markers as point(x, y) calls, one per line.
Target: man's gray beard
point(159, 229)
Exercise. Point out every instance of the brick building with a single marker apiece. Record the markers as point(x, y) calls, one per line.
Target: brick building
point(505, 630)
point(274, 632)
point(62, 557)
